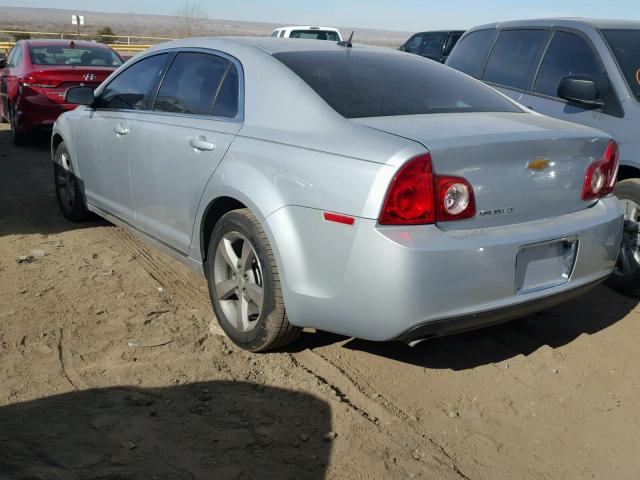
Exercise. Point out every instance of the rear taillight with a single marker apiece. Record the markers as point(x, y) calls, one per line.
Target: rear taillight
point(38, 81)
point(601, 175)
point(417, 196)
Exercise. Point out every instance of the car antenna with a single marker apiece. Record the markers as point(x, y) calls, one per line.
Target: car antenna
point(348, 43)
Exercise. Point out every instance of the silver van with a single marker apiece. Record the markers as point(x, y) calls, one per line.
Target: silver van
point(580, 70)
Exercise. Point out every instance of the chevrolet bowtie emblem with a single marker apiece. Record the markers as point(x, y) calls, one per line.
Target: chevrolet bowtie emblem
point(538, 164)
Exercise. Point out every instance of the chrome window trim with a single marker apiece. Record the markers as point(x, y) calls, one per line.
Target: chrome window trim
point(239, 118)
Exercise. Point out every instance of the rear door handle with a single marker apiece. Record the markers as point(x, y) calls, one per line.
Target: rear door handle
point(121, 130)
point(202, 143)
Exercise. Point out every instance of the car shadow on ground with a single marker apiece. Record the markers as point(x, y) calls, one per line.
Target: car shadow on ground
point(597, 310)
point(28, 202)
point(217, 429)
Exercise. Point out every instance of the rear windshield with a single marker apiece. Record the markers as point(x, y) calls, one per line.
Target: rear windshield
point(625, 45)
point(78, 56)
point(359, 83)
point(315, 35)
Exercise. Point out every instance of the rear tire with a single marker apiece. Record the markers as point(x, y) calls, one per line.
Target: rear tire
point(68, 192)
point(244, 284)
point(18, 139)
point(626, 275)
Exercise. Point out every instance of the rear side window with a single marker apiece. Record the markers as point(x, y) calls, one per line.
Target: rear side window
point(471, 52)
point(514, 58)
point(191, 84)
point(128, 90)
point(274, 33)
point(226, 103)
point(359, 83)
point(567, 55)
point(315, 35)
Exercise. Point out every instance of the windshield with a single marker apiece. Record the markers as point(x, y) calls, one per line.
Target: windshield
point(359, 83)
point(315, 35)
point(625, 45)
point(77, 56)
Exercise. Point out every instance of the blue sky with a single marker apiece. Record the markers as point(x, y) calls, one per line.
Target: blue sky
point(385, 14)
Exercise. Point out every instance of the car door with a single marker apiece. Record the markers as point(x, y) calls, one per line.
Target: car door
point(103, 136)
point(568, 54)
point(514, 59)
point(177, 146)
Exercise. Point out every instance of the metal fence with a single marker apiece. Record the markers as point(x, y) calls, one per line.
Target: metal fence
point(126, 44)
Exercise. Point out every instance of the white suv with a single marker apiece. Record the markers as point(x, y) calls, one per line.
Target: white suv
point(313, 33)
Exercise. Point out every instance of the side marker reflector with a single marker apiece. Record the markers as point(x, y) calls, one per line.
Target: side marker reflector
point(335, 217)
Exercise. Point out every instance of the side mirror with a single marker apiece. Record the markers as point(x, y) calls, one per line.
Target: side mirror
point(3, 62)
point(581, 90)
point(80, 95)
point(402, 49)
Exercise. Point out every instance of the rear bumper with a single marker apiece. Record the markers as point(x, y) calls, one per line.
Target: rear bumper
point(448, 326)
point(35, 111)
point(380, 283)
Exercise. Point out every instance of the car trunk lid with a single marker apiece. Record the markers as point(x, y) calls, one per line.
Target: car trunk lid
point(522, 167)
point(66, 77)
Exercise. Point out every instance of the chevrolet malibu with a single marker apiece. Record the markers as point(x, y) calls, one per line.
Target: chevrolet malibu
point(354, 189)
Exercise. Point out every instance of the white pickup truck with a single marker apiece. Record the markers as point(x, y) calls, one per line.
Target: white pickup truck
point(313, 33)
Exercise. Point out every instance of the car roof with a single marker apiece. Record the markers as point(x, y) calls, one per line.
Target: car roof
point(270, 45)
point(438, 31)
point(575, 22)
point(44, 42)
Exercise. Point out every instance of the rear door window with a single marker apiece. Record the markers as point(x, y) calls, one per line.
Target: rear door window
point(567, 55)
point(514, 58)
point(193, 83)
point(129, 89)
point(471, 52)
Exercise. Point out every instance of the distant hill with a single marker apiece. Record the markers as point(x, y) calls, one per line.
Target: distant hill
point(59, 20)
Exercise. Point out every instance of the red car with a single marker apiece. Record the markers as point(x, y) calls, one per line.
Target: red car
point(36, 73)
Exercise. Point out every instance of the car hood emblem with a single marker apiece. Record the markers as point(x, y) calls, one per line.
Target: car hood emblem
point(538, 164)
point(89, 76)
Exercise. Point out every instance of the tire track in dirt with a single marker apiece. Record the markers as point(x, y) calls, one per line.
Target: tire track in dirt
point(168, 278)
point(361, 400)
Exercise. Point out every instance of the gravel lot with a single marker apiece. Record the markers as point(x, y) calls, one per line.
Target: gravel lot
point(111, 366)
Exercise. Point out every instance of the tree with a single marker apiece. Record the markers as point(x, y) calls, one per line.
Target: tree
point(190, 17)
point(105, 31)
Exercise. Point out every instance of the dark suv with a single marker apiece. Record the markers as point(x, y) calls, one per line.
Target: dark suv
point(433, 45)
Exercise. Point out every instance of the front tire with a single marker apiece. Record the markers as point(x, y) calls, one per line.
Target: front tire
point(68, 193)
point(626, 275)
point(244, 284)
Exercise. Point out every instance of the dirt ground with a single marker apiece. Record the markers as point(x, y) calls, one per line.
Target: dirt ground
point(111, 367)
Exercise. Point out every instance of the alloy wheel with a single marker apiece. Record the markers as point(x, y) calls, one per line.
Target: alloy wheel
point(66, 182)
point(238, 281)
point(629, 257)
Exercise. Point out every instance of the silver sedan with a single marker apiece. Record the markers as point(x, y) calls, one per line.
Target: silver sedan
point(349, 188)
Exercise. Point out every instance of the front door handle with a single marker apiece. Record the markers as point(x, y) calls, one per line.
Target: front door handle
point(201, 143)
point(121, 130)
